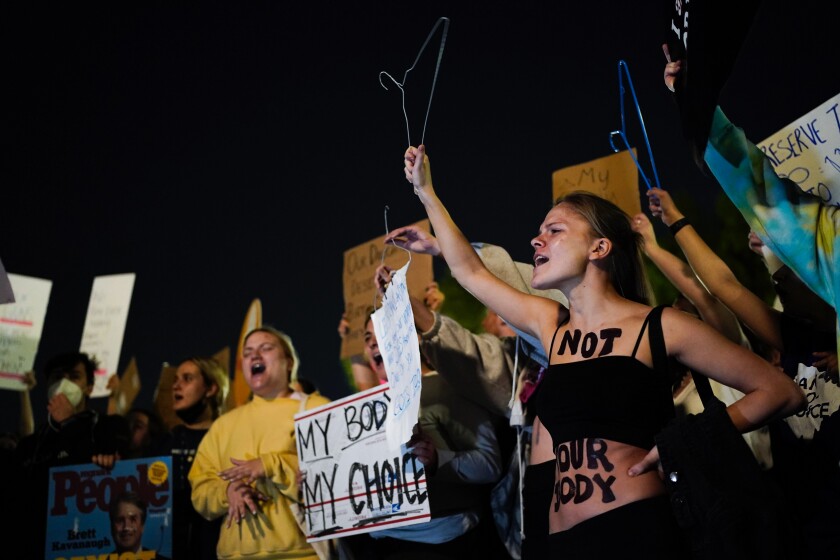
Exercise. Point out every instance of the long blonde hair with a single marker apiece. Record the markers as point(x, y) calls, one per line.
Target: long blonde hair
point(213, 374)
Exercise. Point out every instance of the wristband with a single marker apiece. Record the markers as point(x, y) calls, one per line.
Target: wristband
point(678, 225)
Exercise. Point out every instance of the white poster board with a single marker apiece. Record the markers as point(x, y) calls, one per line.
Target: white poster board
point(807, 151)
point(102, 337)
point(396, 335)
point(21, 324)
point(355, 482)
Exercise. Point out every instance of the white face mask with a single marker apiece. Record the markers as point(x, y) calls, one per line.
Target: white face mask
point(68, 389)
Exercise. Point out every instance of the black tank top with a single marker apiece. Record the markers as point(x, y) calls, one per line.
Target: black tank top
point(611, 397)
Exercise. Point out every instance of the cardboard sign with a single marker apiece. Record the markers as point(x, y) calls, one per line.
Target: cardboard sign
point(102, 336)
point(130, 385)
point(360, 263)
point(163, 396)
point(21, 324)
point(807, 151)
point(400, 349)
point(613, 177)
point(355, 482)
point(240, 392)
point(78, 523)
point(223, 357)
point(129, 388)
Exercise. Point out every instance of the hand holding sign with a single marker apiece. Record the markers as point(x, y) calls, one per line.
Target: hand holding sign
point(381, 278)
point(424, 449)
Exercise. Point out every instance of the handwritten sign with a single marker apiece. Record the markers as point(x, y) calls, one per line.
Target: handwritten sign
point(21, 324)
point(355, 482)
point(807, 151)
point(613, 177)
point(822, 397)
point(393, 324)
point(78, 524)
point(360, 263)
point(105, 325)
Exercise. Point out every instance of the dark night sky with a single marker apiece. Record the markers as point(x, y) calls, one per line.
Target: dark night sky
point(234, 152)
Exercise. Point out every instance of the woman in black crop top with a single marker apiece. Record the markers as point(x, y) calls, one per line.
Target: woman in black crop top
point(601, 400)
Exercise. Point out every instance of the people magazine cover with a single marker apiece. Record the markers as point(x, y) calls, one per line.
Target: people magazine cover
point(120, 514)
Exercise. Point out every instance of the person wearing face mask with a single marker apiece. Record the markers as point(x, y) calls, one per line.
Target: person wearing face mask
point(246, 465)
point(71, 434)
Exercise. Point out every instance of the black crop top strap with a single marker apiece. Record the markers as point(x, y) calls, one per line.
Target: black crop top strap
point(557, 330)
point(641, 332)
point(658, 352)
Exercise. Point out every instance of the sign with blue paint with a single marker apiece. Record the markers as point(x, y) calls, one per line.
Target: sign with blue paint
point(807, 151)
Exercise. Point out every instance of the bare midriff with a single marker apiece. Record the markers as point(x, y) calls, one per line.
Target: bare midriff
point(591, 478)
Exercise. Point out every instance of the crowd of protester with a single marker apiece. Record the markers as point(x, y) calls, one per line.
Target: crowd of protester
point(540, 437)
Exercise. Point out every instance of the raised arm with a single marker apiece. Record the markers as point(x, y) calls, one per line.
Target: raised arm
point(531, 314)
point(718, 278)
point(27, 418)
point(712, 311)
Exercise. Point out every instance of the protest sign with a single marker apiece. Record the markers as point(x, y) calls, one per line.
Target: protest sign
point(80, 497)
point(21, 324)
point(360, 263)
point(102, 336)
point(355, 482)
point(613, 177)
point(164, 403)
point(129, 388)
point(807, 151)
point(396, 336)
point(240, 391)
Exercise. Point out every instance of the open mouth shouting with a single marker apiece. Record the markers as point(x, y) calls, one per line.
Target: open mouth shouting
point(258, 368)
point(377, 358)
point(539, 260)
